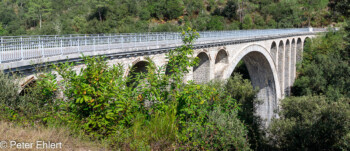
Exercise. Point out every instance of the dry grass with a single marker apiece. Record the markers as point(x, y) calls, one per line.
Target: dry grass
point(10, 132)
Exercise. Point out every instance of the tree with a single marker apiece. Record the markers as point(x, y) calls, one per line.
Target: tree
point(340, 7)
point(174, 9)
point(310, 7)
point(325, 68)
point(247, 22)
point(39, 10)
point(287, 13)
point(193, 6)
point(216, 23)
point(100, 7)
point(230, 10)
point(2, 30)
point(312, 123)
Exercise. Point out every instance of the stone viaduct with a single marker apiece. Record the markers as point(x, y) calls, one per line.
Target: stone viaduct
point(270, 59)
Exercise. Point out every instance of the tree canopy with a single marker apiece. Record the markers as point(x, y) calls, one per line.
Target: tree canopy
point(20, 17)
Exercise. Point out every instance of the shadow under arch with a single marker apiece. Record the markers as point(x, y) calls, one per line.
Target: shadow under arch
point(27, 85)
point(307, 44)
point(221, 62)
point(201, 72)
point(273, 51)
point(263, 75)
point(136, 69)
point(299, 51)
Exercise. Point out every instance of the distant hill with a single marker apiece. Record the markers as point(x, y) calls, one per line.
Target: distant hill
point(18, 17)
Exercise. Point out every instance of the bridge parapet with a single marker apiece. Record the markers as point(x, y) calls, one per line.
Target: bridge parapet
point(17, 48)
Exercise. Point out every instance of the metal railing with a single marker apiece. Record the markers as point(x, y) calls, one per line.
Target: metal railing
point(16, 48)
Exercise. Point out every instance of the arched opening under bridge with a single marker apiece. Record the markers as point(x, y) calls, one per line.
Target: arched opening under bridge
point(139, 68)
point(221, 62)
point(263, 75)
point(201, 72)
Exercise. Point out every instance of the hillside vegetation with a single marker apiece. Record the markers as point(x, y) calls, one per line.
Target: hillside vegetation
point(18, 17)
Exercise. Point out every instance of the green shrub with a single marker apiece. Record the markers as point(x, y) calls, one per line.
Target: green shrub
point(222, 131)
point(98, 95)
point(312, 123)
point(197, 113)
point(247, 22)
point(2, 30)
point(324, 70)
point(216, 23)
point(9, 88)
point(242, 90)
point(157, 133)
point(32, 104)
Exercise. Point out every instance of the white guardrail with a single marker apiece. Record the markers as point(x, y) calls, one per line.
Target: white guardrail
point(17, 48)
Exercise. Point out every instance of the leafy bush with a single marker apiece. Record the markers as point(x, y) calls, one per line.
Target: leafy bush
point(241, 89)
point(247, 22)
point(9, 88)
point(216, 23)
point(312, 123)
point(159, 132)
point(2, 30)
point(34, 101)
point(230, 9)
point(98, 95)
point(324, 70)
point(222, 131)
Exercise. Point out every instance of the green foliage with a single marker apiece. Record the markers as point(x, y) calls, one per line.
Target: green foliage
point(230, 9)
point(167, 9)
point(222, 131)
point(324, 68)
point(119, 16)
point(193, 6)
point(241, 89)
point(247, 22)
point(2, 30)
point(8, 91)
point(33, 104)
point(341, 7)
point(286, 13)
point(312, 123)
point(216, 23)
point(47, 84)
point(158, 133)
point(311, 7)
point(98, 96)
point(259, 21)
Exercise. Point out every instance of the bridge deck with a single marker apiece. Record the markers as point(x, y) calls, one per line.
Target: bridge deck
point(14, 49)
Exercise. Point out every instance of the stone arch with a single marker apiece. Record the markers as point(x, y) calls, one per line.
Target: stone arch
point(263, 75)
point(307, 41)
point(27, 84)
point(221, 62)
point(287, 68)
point(273, 51)
point(138, 67)
point(293, 62)
point(299, 52)
point(201, 72)
point(280, 65)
